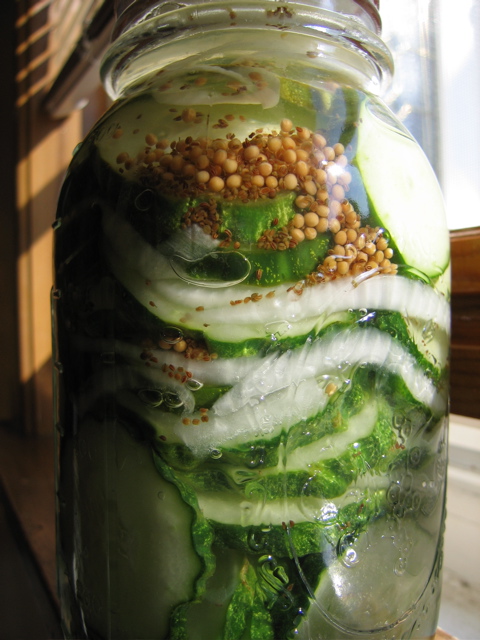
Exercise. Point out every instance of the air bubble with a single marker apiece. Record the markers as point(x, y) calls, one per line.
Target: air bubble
point(171, 335)
point(400, 566)
point(428, 331)
point(398, 511)
point(241, 476)
point(193, 385)
point(172, 400)
point(255, 491)
point(256, 457)
point(215, 454)
point(258, 539)
point(415, 456)
point(393, 493)
point(56, 294)
point(144, 200)
point(152, 397)
point(225, 269)
point(277, 330)
point(350, 558)
point(56, 224)
point(344, 544)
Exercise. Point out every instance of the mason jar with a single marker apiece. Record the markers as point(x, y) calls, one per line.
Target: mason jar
point(251, 330)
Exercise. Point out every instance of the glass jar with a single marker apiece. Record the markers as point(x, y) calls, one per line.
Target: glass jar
point(251, 310)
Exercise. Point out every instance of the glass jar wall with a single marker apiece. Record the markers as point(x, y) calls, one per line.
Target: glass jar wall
point(251, 337)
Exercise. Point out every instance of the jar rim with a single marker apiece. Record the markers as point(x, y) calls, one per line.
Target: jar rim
point(129, 13)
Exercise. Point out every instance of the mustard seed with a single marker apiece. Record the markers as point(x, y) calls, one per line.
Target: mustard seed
point(290, 181)
point(216, 184)
point(297, 235)
point(251, 152)
point(322, 225)
point(265, 169)
point(298, 221)
point(202, 177)
point(311, 219)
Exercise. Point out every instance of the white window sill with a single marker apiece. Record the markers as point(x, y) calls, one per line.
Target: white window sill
point(460, 613)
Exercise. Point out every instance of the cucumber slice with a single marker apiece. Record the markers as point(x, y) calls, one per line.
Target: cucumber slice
point(284, 391)
point(148, 276)
point(404, 191)
point(248, 220)
point(302, 536)
point(150, 526)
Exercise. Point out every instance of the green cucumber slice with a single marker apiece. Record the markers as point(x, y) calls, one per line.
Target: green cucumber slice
point(282, 535)
point(149, 277)
point(412, 210)
point(248, 220)
point(120, 598)
point(284, 391)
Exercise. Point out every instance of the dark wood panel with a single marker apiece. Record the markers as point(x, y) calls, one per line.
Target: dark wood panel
point(466, 320)
point(465, 245)
point(465, 360)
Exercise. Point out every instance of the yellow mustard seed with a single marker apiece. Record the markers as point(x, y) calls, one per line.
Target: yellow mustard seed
point(343, 267)
point(382, 244)
point(388, 253)
point(298, 221)
point(202, 177)
point(216, 184)
point(310, 187)
point(265, 169)
point(297, 235)
point(290, 181)
point(122, 157)
point(274, 144)
point(271, 182)
point(180, 346)
point(234, 181)
point(151, 139)
point(251, 153)
point(334, 225)
point(311, 219)
point(288, 143)
point(301, 168)
point(202, 162)
point(230, 165)
point(338, 192)
point(318, 140)
point(322, 225)
point(258, 180)
point(219, 156)
point(302, 154)
point(289, 156)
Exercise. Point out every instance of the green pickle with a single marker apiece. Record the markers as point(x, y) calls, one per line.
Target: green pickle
point(254, 381)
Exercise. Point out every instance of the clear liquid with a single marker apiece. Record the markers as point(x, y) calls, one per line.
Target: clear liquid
point(252, 394)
